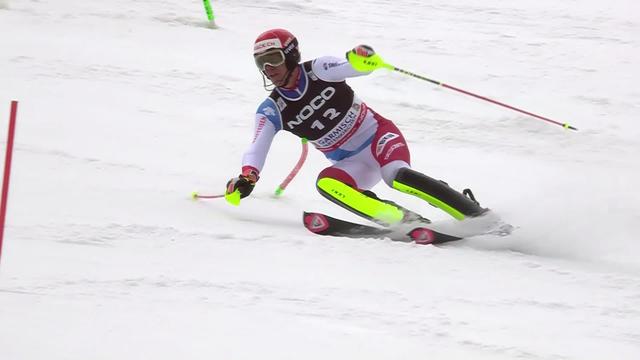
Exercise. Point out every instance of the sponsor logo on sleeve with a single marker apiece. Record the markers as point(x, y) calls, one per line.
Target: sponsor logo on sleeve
point(330, 65)
point(393, 148)
point(384, 139)
point(259, 127)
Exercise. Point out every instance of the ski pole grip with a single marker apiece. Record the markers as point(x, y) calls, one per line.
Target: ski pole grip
point(367, 63)
point(233, 198)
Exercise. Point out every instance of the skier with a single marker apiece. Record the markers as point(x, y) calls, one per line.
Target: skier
point(312, 100)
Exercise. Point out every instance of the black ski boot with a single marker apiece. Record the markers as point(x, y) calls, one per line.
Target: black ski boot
point(438, 193)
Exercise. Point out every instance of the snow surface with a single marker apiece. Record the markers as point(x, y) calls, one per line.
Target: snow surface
point(128, 106)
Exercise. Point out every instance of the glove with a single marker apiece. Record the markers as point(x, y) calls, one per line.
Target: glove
point(361, 50)
point(244, 183)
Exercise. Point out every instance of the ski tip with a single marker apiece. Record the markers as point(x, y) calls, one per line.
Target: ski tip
point(314, 222)
point(422, 236)
point(194, 195)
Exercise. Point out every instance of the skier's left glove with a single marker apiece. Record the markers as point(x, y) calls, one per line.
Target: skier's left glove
point(361, 50)
point(244, 183)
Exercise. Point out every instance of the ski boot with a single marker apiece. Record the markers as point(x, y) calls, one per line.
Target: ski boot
point(438, 194)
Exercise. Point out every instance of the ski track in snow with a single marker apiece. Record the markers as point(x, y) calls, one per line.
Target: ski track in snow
point(127, 107)
point(587, 300)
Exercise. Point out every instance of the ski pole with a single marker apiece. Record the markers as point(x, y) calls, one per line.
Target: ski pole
point(374, 62)
point(196, 196)
point(234, 197)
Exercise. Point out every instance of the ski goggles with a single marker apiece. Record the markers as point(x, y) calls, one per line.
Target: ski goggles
point(272, 58)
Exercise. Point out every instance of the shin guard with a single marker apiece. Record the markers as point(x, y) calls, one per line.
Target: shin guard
point(436, 193)
point(364, 204)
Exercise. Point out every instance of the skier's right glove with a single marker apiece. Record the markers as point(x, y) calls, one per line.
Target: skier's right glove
point(244, 183)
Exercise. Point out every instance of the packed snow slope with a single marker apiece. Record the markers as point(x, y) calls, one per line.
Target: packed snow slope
point(126, 107)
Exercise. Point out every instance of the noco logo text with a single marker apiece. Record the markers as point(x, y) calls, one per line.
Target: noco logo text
point(315, 104)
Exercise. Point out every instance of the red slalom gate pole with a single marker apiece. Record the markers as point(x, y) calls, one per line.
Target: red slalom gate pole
point(294, 172)
point(7, 169)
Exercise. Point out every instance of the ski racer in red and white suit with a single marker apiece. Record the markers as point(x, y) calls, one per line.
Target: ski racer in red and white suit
point(341, 127)
point(312, 100)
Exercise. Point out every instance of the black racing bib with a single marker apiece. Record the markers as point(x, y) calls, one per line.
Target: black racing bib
point(320, 107)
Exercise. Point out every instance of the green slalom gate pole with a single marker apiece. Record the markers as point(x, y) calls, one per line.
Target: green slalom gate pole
point(209, 10)
point(375, 62)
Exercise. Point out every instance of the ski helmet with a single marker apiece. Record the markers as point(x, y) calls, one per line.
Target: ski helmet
point(279, 39)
